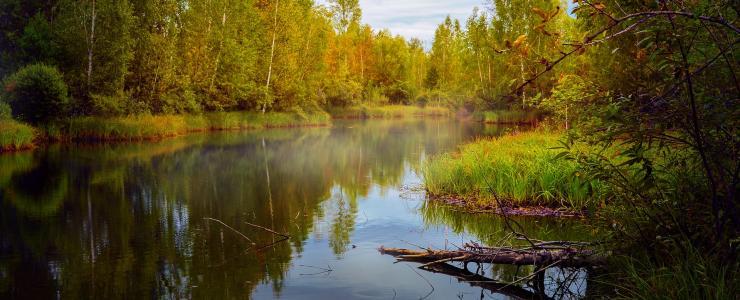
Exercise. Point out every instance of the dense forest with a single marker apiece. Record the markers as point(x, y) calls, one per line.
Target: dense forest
point(110, 57)
point(130, 57)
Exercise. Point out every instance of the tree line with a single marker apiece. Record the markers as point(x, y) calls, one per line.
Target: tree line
point(179, 56)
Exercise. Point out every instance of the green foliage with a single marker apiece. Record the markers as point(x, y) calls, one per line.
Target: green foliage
point(15, 135)
point(507, 116)
point(37, 93)
point(342, 92)
point(5, 112)
point(569, 98)
point(147, 127)
point(690, 276)
point(520, 169)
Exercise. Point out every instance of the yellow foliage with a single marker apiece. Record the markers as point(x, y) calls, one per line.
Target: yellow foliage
point(520, 40)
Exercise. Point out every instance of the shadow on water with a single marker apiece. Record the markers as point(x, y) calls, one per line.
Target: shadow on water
point(129, 220)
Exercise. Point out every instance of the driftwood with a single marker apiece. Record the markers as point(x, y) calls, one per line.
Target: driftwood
point(550, 254)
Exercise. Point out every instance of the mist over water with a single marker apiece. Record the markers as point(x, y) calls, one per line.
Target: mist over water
point(170, 219)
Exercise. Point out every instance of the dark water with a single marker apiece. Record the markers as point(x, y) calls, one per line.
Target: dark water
point(129, 221)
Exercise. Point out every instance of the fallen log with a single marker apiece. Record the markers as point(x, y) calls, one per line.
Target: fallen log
point(545, 255)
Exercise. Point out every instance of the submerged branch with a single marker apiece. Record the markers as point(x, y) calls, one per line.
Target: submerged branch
point(232, 229)
point(268, 230)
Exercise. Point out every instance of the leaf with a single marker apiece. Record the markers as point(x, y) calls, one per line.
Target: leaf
point(521, 39)
point(560, 155)
point(541, 13)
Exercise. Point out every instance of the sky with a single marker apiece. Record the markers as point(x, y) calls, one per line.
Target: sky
point(417, 18)
point(414, 18)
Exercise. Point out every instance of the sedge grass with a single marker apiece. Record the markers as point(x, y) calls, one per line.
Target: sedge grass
point(521, 169)
point(691, 275)
point(156, 127)
point(16, 136)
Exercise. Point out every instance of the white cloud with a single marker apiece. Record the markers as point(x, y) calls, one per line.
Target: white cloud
point(414, 18)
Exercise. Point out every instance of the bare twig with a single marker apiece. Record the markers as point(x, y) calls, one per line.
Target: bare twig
point(326, 270)
point(268, 230)
point(422, 277)
point(232, 229)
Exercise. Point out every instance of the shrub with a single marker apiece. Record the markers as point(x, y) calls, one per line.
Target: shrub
point(15, 135)
point(342, 92)
point(37, 94)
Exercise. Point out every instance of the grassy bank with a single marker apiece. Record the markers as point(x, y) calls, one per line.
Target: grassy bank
point(155, 127)
point(507, 116)
point(520, 168)
point(388, 112)
point(16, 136)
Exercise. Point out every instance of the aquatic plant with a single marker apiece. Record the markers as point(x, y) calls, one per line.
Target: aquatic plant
point(520, 169)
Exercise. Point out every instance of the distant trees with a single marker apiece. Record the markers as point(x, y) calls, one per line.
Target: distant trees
point(176, 56)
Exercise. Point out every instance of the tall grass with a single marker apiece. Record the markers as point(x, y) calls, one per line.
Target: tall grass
point(521, 169)
point(507, 116)
point(15, 135)
point(388, 112)
point(155, 127)
point(693, 275)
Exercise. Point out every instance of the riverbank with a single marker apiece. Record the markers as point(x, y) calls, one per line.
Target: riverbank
point(507, 117)
point(514, 171)
point(388, 112)
point(157, 127)
point(16, 136)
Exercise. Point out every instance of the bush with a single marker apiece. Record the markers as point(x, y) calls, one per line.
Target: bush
point(15, 135)
point(342, 92)
point(37, 94)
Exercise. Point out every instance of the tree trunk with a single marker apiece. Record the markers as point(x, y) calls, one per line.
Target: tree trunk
point(220, 49)
point(272, 52)
point(90, 46)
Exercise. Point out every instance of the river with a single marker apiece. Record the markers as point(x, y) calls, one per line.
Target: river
point(171, 219)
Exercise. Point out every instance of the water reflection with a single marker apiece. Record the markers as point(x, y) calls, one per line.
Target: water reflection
point(129, 220)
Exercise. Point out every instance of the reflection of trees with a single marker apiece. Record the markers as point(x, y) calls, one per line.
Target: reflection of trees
point(343, 221)
point(127, 220)
point(37, 192)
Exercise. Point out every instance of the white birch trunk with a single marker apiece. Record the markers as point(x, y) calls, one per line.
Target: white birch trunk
point(272, 52)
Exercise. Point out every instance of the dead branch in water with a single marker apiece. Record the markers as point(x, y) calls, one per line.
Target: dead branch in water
point(561, 254)
point(268, 230)
point(232, 229)
point(326, 270)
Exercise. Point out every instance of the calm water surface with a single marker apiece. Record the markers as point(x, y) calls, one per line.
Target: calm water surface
point(131, 220)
